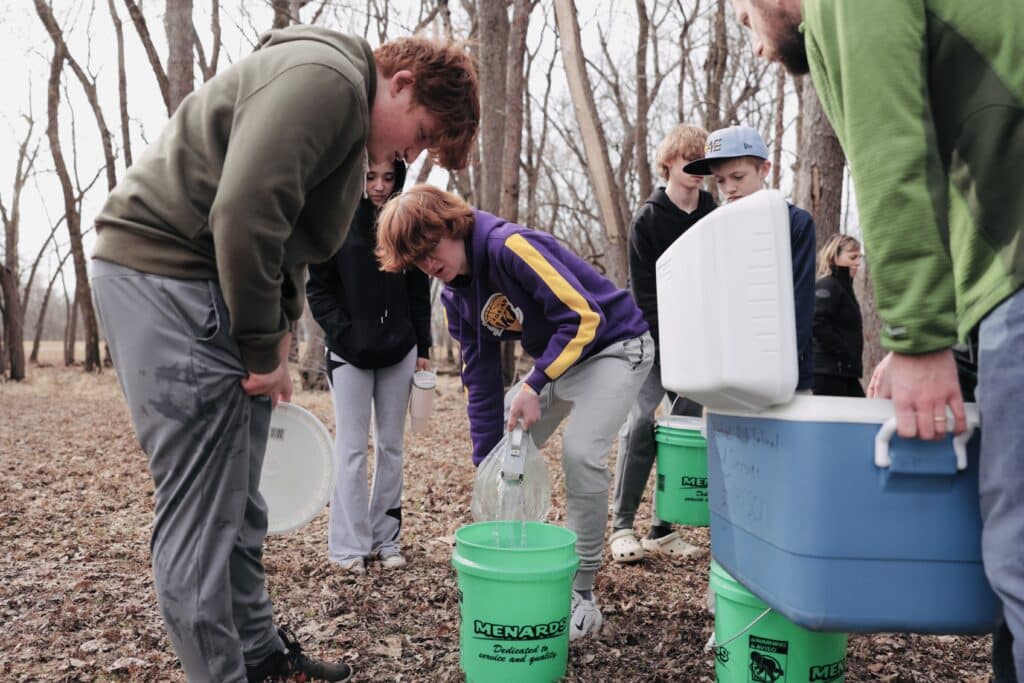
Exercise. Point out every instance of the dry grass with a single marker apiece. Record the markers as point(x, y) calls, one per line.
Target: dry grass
point(77, 603)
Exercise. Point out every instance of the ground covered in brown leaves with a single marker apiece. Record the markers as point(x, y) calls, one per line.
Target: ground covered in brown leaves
point(77, 603)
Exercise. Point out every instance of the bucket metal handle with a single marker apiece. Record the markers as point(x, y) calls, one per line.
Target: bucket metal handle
point(888, 430)
point(513, 465)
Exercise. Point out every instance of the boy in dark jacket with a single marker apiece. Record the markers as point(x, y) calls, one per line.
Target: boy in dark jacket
point(590, 343)
point(377, 333)
point(738, 159)
point(838, 328)
point(669, 212)
point(199, 268)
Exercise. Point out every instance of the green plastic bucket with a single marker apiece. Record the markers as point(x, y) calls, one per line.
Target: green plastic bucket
point(515, 593)
point(681, 494)
point(755, 644)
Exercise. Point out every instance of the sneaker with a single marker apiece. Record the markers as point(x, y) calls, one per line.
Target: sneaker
point(394, 560)
point(356, 566)
point(293, 665)
point(586, 617)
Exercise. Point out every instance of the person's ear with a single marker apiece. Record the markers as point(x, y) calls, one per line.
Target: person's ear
point(400, 80)
point(766, 167)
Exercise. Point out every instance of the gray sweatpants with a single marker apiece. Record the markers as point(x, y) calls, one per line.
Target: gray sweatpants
point(205, 439)
point(637, 449)
point(361, 524)
point(595, 395)
point(1001, 472)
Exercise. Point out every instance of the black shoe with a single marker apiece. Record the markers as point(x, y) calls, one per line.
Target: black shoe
point(282, 666)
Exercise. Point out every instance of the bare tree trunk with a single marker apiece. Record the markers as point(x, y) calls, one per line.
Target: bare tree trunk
point(71, 330)
point(88, 84)
point(40, 321)
point(594, 142)
point(313, 372)
point(643, 163)
point(122, 86)
point(282, 13)
point(72, 216)
point(14, 333)
point(154, 59)
point(873, 351)
point(714, 69)
point(780, 125)
point(494, 25)
point(798, 83)
point(180, 44)
point(821, 167)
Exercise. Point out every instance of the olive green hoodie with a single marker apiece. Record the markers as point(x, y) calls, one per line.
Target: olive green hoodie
point(927, 99)
point(256, 174)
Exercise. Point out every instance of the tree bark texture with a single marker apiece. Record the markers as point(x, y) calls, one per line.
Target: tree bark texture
point(643, 162)
point(714, 69)
point(180, 44)
point(154, 59)
point(72, 216)
point(780, 125)
point(14, 333)
point(821, 167)
point(494, 47)
point(122, 86)
point(515, 88)
point(13, 301)
point(594, 142)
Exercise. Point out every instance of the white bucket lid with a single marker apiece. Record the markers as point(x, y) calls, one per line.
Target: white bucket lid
point(690, 424)
point(810, 408)
point(298, 468)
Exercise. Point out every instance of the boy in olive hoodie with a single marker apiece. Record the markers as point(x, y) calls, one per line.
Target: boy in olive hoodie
point(198, 270)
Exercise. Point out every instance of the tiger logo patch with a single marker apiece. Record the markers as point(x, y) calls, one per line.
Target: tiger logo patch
point(499, 315)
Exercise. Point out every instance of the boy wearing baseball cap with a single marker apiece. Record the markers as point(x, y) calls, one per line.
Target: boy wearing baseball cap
point(737, 158)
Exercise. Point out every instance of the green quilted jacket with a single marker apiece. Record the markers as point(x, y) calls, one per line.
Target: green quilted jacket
point(927, 99)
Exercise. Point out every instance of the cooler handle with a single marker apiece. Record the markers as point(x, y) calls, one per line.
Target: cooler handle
point(888, 430)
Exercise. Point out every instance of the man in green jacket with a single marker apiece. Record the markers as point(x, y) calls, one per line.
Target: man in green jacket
point(927, 100)
point(199, 268)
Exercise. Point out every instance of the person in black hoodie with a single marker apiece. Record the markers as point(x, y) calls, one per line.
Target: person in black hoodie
point(669, 212)
point(838, 331)
point(377, 333)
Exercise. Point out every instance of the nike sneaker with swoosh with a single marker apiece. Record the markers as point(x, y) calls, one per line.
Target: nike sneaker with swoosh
point(586, 617)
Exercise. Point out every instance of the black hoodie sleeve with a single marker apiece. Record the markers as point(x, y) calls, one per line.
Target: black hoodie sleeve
point(322, 291)
point(642, 271)
point(418, 285)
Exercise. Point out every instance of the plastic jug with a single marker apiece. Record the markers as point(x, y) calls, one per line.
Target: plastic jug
point(512, 482)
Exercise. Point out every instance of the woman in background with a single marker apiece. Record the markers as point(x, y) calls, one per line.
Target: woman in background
point(377, 332)
point(838, 330)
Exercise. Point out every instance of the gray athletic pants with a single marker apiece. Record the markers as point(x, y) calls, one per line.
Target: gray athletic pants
point(361, 524)
point(637, 449)
point(1001, 473)
point(595, 395)
point(205, 439)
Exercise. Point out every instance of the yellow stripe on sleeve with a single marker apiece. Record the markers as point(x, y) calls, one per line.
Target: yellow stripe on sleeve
point(589, 319)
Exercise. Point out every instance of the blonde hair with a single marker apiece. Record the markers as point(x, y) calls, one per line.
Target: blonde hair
point(828, 254)
point(685, 140)
point(411, 224)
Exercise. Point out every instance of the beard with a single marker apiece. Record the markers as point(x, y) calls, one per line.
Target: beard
point(791, 50)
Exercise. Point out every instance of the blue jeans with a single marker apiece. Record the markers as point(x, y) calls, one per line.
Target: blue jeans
point(1001, 485)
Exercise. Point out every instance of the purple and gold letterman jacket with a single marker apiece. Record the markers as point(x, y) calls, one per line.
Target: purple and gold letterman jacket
point(524, 285)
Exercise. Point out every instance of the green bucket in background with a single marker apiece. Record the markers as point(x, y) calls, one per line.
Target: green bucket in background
point(755, 643)
point(681, 494)
point(515, 594)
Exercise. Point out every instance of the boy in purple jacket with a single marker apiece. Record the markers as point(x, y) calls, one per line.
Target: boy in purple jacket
point(589, 340)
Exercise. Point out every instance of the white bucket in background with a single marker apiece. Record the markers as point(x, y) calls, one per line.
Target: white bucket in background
point(421, 400)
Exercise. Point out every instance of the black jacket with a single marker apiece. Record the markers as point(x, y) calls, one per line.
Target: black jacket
point(657, 224)
point(370, 318)
point(838, 331)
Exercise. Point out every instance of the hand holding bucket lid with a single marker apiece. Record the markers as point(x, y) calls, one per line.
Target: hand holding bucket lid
point(298, 468)
point(421, 400)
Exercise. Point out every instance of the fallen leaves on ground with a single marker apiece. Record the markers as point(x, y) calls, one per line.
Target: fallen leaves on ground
point(77, 601)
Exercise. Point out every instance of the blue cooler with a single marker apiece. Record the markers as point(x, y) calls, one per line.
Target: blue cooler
point(840, 526)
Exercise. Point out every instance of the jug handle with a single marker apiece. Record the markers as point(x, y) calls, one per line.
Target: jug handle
point(888, 430)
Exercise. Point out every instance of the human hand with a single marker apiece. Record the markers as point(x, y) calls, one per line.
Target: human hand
point(525, 406)
point(276, 384)
point(879, 387)
point(921, 387)
point(422, 364)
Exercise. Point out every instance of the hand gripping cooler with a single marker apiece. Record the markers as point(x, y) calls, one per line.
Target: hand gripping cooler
point(833, 521)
